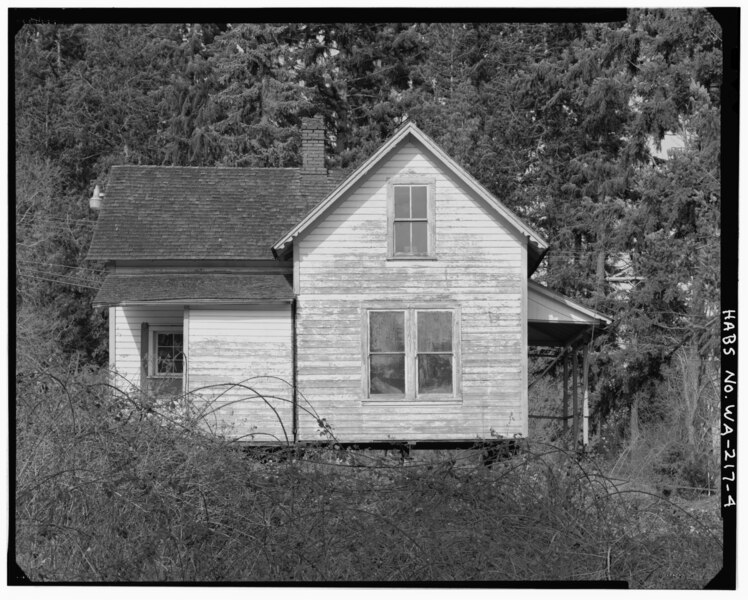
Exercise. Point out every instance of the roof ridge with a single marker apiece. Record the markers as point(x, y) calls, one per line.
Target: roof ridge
point(219, 167)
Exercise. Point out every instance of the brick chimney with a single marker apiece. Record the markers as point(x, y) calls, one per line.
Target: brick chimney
point(313, 144)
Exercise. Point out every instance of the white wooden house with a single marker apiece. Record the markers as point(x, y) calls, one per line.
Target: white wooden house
point(394, 303)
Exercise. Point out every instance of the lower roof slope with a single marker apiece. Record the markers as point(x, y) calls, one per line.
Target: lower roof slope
point(193, 288)
point(162, 213)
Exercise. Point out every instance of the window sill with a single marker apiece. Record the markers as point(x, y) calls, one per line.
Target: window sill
point(411, 258)
point(164, 386)
point(412, 401)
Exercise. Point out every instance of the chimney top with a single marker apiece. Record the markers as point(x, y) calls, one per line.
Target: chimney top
point(95, 201)
point(315, 122)
point(313, 144)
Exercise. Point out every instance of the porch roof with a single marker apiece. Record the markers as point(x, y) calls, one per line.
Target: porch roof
point(555, 320)
point(194, 288)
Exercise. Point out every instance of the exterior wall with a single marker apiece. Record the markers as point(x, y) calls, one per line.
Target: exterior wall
point(251, 346)
point(480, 272)
point(244, 345)
point(126, 339)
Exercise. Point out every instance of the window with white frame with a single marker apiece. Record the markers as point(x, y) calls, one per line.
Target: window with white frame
point(411, 218)
point(412, 354)
point(167, 352)
point(387, 352)
point(434, 351)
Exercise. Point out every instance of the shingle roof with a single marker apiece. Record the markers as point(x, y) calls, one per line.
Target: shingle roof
point(225, 287)
point(202, 212)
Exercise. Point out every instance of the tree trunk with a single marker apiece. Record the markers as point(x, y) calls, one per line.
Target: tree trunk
point(58, 46)
point(600, 272)
point(575, 398)
point(566, 394)
point(634, 419)
point(691, 391)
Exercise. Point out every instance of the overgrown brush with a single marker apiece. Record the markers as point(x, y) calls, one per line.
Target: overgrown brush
point(107, 489)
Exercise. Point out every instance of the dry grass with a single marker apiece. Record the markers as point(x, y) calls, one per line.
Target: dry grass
point(109, 490)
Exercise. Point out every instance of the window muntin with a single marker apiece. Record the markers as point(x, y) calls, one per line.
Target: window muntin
point(167, 353)
point(411, 354)
point(410, 227)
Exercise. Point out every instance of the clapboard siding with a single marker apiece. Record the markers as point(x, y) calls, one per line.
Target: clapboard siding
point(127, 323)
point(251, 347)
point(480, 271)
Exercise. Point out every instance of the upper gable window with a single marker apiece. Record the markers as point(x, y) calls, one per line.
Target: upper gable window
point(411, 219)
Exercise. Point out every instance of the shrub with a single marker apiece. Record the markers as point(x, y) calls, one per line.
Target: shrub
point(109, 488)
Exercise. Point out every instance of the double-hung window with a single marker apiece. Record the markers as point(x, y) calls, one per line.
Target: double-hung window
point(435, 352)
point(411, 219)
point(168, 353)
point(412, 354)
point(387, 352)
point(166, 365)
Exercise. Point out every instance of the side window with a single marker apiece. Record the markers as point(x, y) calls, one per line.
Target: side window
point(412, 354)
point(411, 220)
point(167, 353)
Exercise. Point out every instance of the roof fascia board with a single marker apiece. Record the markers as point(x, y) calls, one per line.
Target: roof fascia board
point(536, 287)
point(160, 271)
point(193, 301)
point(198, 263)
point(559, 322)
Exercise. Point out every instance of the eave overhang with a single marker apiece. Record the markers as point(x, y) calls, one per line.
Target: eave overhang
point(555, 320)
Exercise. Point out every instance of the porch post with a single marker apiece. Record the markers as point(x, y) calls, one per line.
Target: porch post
point(585, 398)
point(574, 396)
point(294, 367)
point(144, 342)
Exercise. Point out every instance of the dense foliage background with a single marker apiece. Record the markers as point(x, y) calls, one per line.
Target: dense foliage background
point(561, 121)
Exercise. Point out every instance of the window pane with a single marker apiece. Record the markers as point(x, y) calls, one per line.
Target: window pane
point(386, 331)
point(434, 331)
point(402, 238)
point(418, 194)
point(420, 238)
point(387, 374)
point(434, 374)
point(402, 202)
point(169, 353)
point(166, 360)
